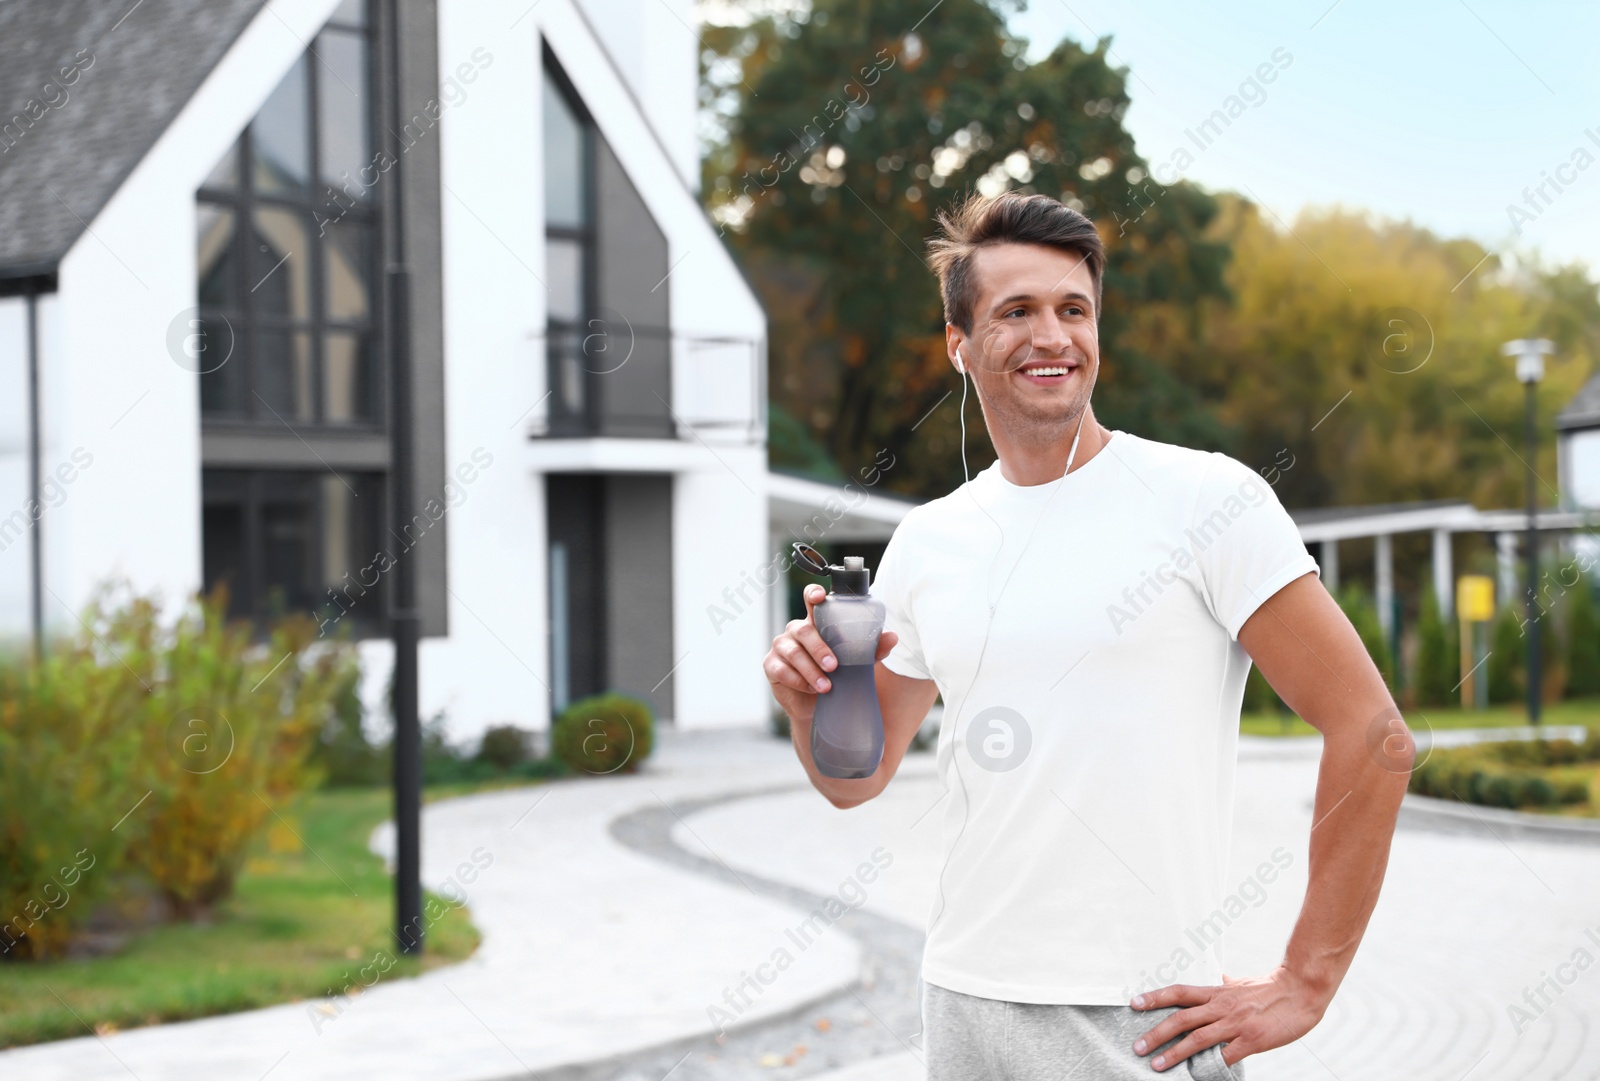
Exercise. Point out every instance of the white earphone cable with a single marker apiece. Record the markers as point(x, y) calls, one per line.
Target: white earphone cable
point(955, 757)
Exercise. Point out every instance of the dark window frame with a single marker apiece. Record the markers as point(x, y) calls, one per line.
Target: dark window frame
point(251, 491)
point(563, 337)
point(317, 199)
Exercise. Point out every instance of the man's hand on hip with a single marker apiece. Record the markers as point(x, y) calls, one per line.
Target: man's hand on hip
point(1250, 1015)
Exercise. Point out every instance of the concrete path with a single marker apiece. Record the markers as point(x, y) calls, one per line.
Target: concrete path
point(619, 912)
point(589, 949)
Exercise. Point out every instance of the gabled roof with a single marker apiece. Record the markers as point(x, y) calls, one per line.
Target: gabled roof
point(87, 87)
point(1584, 409)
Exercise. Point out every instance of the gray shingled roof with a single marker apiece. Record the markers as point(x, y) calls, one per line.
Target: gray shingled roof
point(68, 142)
point(1584, 409)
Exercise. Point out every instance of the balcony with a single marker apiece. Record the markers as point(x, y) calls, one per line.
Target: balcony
point(611, 379)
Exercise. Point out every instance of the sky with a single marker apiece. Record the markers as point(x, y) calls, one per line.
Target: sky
point(1437, 111)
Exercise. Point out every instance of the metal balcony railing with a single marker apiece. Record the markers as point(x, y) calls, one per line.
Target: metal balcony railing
point(608, 377)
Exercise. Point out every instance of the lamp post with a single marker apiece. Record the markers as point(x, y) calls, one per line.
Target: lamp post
point(404, 620)
point(1530, 354)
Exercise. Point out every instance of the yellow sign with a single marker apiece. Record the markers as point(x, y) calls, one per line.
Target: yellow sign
point(1475, 598)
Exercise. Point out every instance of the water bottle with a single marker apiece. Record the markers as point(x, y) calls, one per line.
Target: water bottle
point(847, 727)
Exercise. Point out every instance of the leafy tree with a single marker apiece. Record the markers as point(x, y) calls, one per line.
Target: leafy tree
point(846, 128)
point(1371, 348)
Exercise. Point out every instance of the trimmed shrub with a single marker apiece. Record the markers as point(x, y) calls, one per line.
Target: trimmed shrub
point(1583, 640)
point(506, 746)
point(1507, 664)
point(1488, 774)
point(1438, 660)
point(605, 733)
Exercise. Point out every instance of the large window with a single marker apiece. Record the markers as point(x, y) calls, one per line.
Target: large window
point(569, 250)
point(290, 540)
point(288, 246)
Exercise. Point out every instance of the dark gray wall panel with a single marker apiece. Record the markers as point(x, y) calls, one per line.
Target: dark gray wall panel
point(639, 587)
point(632, 294)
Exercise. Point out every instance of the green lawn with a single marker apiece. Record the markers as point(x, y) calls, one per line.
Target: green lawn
point(291, 931)
point(1585, 711)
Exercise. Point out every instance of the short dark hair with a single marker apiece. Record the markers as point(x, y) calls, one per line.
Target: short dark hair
point(1007, 218)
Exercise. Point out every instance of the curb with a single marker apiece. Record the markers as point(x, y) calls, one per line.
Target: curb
point(1465, 819)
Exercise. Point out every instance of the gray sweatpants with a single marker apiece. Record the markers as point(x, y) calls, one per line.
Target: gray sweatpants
point(966, 1038)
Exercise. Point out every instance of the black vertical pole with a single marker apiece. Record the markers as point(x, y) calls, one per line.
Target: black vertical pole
point(1533, 572)
point(35, 464)
point(403, 616)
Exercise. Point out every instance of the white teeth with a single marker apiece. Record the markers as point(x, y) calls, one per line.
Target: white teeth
point(1048, 371)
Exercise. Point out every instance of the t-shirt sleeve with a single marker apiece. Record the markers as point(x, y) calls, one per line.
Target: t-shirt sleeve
point(892, 584)
point(1247, 547)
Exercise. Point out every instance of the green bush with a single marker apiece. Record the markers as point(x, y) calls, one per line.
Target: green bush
point(1508, 774)
point(1507, 664)
point(69, 764)
point(229, 729)
point(1438, 660)
point(1583, 640)
point(344, 754)
point(605, 733)
point(506, 747)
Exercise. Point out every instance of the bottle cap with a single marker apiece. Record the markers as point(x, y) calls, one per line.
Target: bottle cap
point(850, 580)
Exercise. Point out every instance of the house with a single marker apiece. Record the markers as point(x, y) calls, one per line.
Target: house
point(197, 200)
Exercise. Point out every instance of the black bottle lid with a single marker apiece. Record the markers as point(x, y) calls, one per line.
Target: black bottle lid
point(850, 580)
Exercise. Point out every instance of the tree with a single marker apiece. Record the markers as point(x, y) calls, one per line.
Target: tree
point(846, 129)
point(1583, 640)
point(1438, 662)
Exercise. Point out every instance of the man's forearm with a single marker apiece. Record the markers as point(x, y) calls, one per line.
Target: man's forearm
point(1358, 799)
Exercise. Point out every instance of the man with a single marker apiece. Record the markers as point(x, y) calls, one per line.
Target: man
point(1088, 608)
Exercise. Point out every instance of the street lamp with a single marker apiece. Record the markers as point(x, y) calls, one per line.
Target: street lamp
point(405, 623)
point(1530, 354)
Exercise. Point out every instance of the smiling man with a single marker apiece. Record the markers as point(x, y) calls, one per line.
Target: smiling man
point(1088, 608)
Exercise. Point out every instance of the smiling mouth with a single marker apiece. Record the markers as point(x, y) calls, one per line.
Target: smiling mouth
point(1048, 373)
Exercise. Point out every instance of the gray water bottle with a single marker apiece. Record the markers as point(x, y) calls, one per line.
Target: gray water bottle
point(847, 727)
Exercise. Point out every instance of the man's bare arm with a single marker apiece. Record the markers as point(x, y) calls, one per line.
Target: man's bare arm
point(798, 665)
point(1315, 660)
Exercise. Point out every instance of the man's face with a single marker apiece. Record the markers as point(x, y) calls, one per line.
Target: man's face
point(1035, 345)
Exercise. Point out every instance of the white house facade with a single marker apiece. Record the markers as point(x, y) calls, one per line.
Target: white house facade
point(194, 206)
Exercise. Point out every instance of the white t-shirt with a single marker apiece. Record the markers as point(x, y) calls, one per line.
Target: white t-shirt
point(1089, 764)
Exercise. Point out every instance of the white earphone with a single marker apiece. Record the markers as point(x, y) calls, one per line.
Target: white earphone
point(961, 361)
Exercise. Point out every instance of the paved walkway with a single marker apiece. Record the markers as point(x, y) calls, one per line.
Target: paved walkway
point(618, 911)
